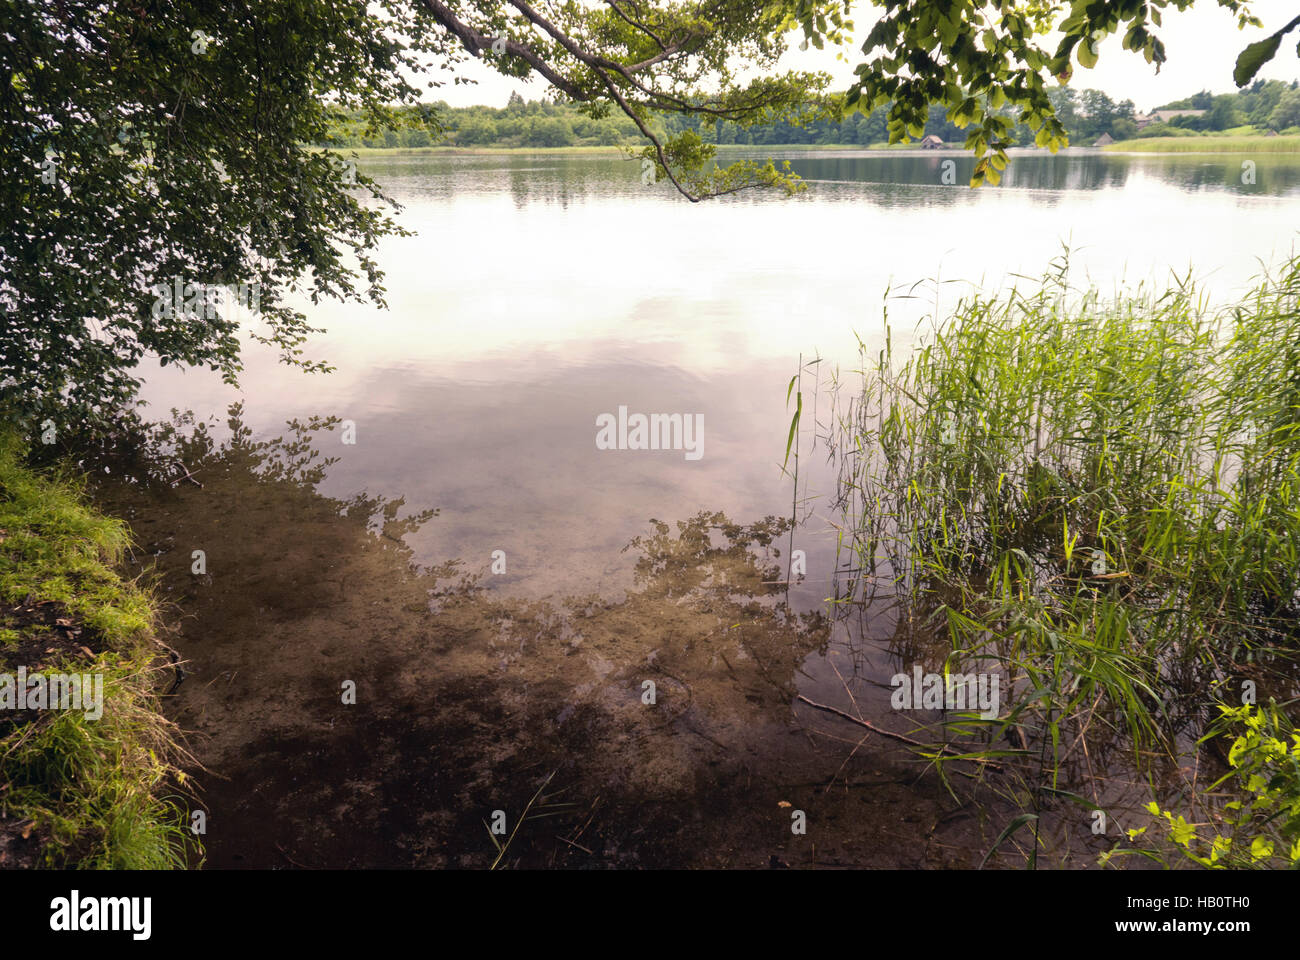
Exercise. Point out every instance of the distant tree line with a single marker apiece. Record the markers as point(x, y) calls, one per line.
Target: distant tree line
point(1265, 104)
point(1087, 114)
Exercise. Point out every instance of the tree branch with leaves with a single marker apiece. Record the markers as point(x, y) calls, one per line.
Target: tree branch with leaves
point(648, 58)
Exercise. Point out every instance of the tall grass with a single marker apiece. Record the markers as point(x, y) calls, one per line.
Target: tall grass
point(1099, 498)
point(1289, 143)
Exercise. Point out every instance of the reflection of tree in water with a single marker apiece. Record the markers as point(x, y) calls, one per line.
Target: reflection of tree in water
point(467, 697)
point(165, 456)
point(724, 580)
point(1026, 171)
point(692, 561)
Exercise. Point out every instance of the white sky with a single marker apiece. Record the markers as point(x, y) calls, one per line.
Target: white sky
point(1202, 46)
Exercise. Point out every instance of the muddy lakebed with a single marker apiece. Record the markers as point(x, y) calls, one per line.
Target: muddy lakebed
point(467, 700)
point(427, 601)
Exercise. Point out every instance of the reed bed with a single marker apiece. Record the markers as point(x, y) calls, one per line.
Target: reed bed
point(1286, 143)
point(1099, 498)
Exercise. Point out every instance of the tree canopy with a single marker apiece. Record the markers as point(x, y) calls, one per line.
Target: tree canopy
point(160, 143)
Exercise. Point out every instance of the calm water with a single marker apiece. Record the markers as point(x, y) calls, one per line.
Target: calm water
point(543, 291)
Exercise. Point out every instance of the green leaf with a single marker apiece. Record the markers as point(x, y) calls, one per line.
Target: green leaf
point(794, 424)
point(1253, 57)
point(1007, 831)
point(1181, 831)
point(1260, 848)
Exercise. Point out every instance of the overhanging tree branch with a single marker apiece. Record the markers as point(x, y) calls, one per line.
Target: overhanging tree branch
point(603, 77)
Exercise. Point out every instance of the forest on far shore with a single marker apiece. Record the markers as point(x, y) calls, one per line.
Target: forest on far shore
point(1087, 114)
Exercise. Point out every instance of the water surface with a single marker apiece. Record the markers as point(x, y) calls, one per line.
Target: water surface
point(540, 292)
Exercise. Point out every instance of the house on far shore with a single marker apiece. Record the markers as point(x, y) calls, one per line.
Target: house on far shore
point(931, 142)
point(1164, 116)
point(1103, 140)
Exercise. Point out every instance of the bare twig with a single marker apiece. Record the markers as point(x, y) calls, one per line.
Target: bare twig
point(887, 733)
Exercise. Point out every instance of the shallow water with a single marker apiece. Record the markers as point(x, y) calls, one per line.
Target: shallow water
point(540, 292)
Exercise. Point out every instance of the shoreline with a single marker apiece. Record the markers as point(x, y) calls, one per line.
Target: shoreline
point(1156, 146)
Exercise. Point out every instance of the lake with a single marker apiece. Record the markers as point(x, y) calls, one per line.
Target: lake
point(499, 590)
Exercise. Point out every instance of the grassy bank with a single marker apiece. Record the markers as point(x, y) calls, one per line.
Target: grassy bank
point(1289, 143)
point(1099, 501)
point(78, 790)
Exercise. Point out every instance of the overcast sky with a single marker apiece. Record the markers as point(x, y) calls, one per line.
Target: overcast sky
point(1202, 45)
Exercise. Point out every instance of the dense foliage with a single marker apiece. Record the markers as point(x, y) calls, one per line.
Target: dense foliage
point(156, 155)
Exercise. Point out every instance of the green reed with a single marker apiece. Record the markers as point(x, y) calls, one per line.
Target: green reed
point(1097, 497)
